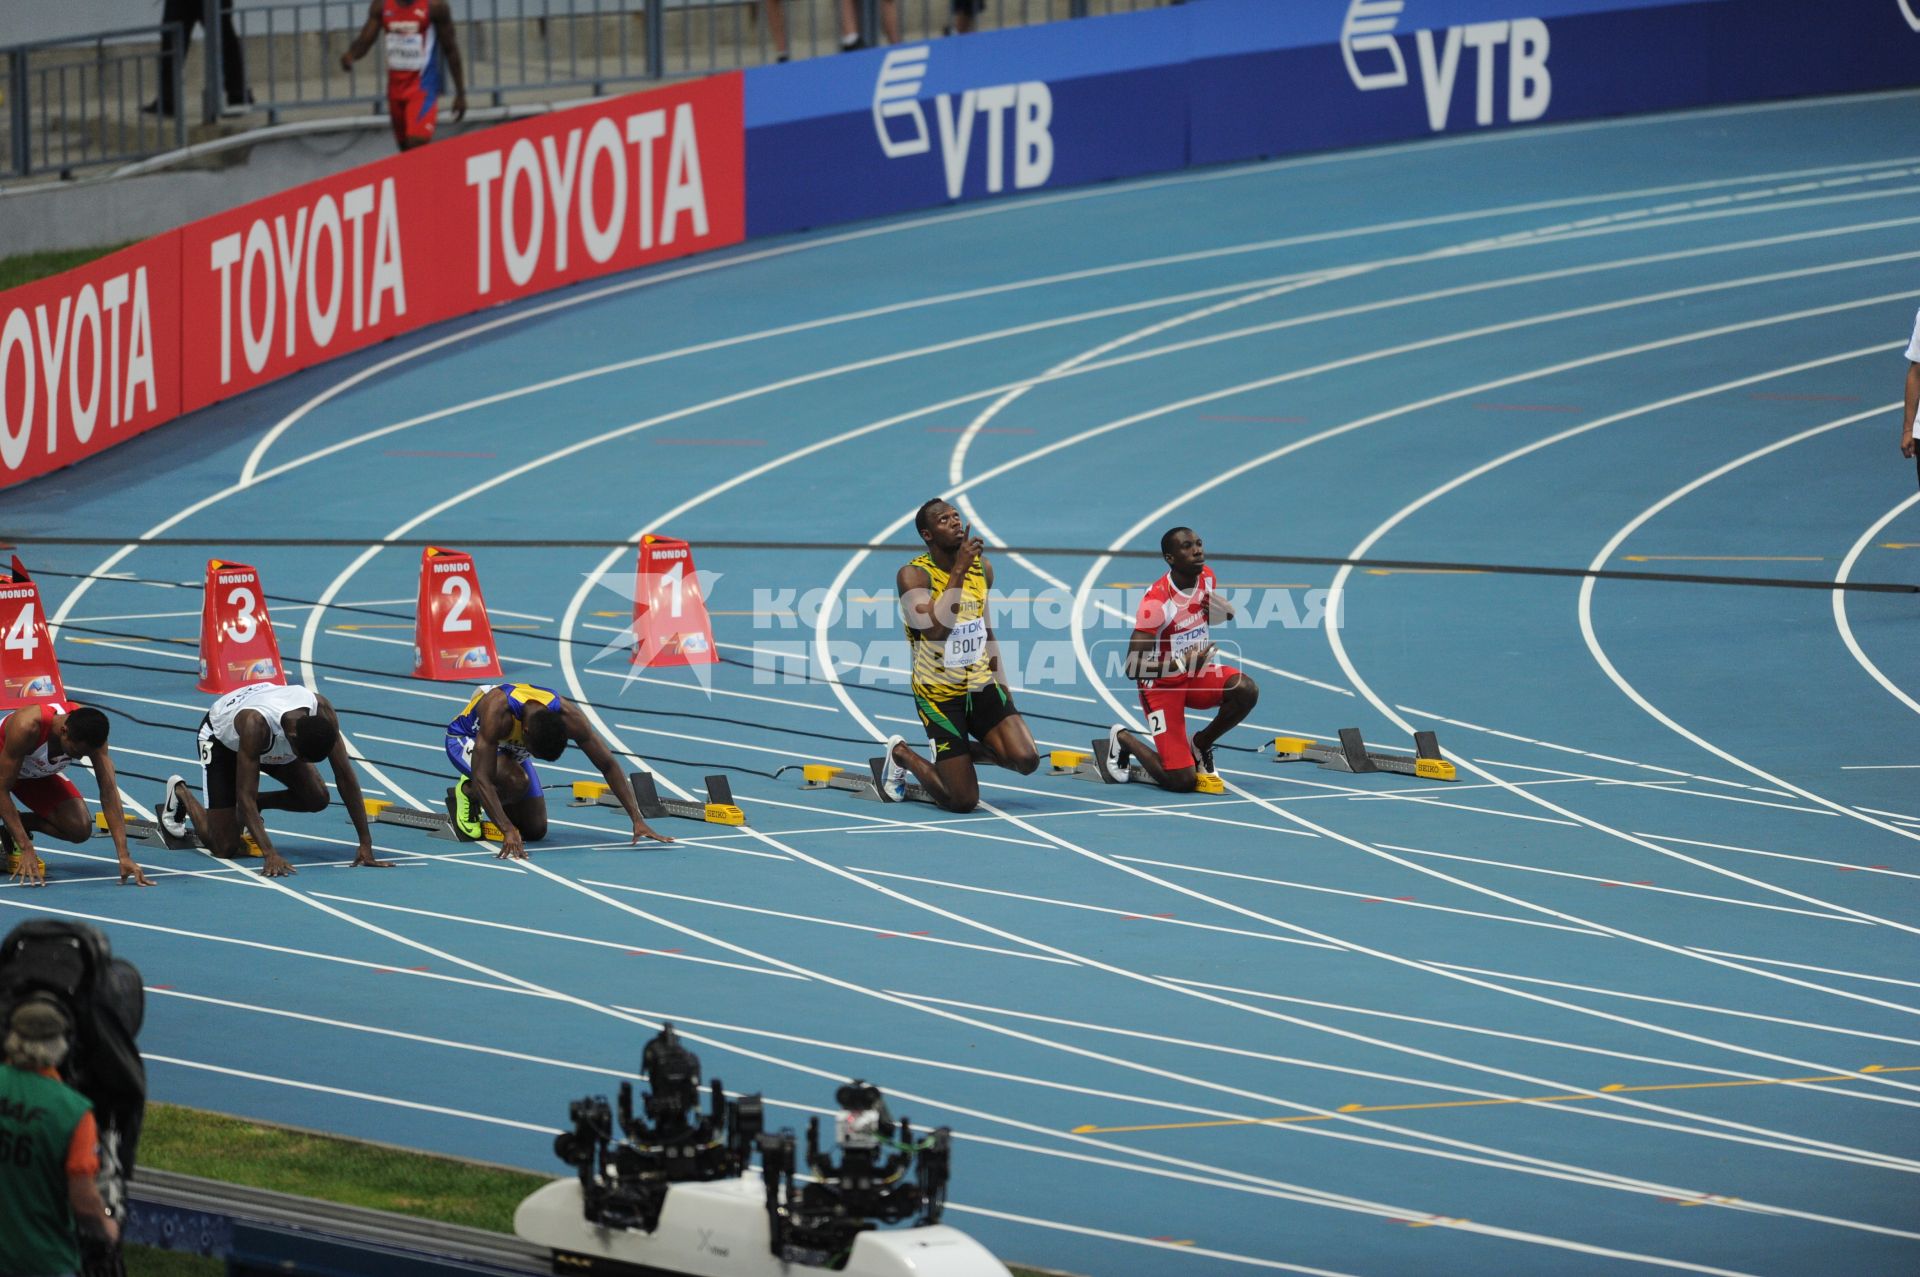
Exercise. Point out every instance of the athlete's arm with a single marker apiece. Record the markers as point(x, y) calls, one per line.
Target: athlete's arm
point(597, 752)
point(915, 588)
point(15, 745)
point(347, 781)
point(492, 719)
point(116, 816)
point(1143, 658)
point(369, 32)
point(251, 729)
point(1913, 402)
point(441, 15)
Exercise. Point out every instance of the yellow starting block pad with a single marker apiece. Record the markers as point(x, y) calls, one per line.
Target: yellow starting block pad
point(719, 809)
point(1352, 755)
point(1208, 783)
point(1069, 761)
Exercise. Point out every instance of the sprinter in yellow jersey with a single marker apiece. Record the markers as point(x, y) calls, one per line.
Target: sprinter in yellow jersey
point(493, 742)
point(958, 686)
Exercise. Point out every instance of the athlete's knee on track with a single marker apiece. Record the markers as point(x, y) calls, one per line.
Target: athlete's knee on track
point(533, 828)
point(1025, 761)
point(1182, 780)
point(310, 800)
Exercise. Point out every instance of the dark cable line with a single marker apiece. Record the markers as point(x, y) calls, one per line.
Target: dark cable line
point(1049, 551)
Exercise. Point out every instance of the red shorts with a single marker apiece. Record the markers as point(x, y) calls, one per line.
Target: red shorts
point(1167, 702)
point(414, 110)
point(44, 795)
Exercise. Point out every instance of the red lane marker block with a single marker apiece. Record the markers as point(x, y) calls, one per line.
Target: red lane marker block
point(29, 674)
point(237, 644)
point(1854, 869)
point(452, 637)
point(160, 986)
point(397, 970)
point(670, 622)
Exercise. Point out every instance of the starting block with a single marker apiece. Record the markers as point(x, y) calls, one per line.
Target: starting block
point(1352, 755)
point(832, 776)
point(438, 824)
point(1086, 765)
point(719, 809)
point(149, 831)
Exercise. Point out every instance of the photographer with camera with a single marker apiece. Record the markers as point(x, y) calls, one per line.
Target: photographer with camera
point(48, 1150)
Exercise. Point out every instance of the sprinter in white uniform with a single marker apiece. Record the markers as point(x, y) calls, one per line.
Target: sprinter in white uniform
point(282, 731)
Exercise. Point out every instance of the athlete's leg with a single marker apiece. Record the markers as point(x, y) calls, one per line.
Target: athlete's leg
point(1168, 760)
point(52, 805)
point(1009, 744)
point(518, 785)
point(304, 791)
point(68, 822)
point(1237, 699)
point(951, 782)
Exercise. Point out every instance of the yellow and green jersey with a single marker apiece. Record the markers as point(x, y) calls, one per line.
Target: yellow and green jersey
point(957, 664)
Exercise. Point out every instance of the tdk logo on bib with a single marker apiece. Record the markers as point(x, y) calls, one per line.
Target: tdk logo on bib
point(900, 122)
point(1374, 61)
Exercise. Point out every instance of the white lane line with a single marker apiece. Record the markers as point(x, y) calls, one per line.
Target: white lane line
point(1600, 657)
point(1845, 626)
point(1693, 1006)
point(1616, 882)
point(631, 949)
point(354, 1093)
point(1356, 895)
point(1584, 753)
point(1666, 786)
point(1337, 590)
point(1779, 855)
point(708, 691)
point(882, 932)
point(1337, 643)
point(1152, 919)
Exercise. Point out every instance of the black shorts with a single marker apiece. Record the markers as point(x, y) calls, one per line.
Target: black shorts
point(969, 6)
point(219, 765)
point(951, 720)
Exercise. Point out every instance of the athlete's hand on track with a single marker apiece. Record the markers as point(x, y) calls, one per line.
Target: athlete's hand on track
point(30, 871)
point(127, 867)
point(512, 846)
point(641, 829)
point(364, 856)
point(276, 866)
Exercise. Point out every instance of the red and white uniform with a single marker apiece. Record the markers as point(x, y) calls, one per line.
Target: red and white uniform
point(1179, 619)
point(413, 67)
point(42, 786)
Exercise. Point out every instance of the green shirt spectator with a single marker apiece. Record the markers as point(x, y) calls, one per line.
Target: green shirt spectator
point(48, 1151)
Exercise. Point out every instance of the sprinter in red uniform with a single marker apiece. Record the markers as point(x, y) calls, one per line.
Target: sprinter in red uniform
point(1171, 654)
point(419, 36)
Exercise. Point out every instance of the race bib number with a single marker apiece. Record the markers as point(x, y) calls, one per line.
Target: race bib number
point(406, 51)
point(966, 643)
point(206, 751)
point(1183, 641)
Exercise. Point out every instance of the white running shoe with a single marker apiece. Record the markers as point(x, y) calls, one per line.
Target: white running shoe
point(173, 809)
point(1115, 764)
point(893, 775)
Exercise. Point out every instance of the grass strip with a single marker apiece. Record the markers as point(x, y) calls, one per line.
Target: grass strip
point(24, 268)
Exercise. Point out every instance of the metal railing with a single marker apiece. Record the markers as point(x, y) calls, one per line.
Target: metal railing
point(73, 103)
point(79, 102)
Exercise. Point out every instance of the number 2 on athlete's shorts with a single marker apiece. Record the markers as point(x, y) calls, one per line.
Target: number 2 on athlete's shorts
point(1157, 723)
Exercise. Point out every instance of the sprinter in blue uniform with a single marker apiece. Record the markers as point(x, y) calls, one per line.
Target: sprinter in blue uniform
point(493, 743)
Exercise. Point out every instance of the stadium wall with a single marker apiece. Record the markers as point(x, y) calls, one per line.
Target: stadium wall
point(99, 354)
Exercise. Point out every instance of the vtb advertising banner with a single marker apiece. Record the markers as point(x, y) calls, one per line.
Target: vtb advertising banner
point(96, 355)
